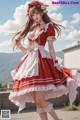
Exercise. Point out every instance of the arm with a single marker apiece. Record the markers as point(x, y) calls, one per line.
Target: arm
point(51, 50)
point(23, 49)
point(53, 55)
point(50, 39)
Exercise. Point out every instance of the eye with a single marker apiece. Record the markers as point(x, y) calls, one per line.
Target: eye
point(37, 13)
point(32, 15)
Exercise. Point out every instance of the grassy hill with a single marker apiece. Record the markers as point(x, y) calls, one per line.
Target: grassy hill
point(8, 61)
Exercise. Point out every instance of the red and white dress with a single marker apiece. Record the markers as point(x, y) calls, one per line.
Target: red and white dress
point(36, 72)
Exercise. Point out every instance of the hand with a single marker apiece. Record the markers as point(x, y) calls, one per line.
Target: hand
point(18, 44)
point(59, 68)
point(32, 33)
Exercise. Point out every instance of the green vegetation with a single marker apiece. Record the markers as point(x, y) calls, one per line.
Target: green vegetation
point(72, 107)
point(3, 87)
point(75, 106)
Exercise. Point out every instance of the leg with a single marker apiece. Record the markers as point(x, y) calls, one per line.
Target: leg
point(39, 97)
point(40, 110)
point(51, 111)
point(33, 94)
point(48, 107)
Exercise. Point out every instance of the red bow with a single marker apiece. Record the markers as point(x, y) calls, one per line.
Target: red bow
point(34, 4)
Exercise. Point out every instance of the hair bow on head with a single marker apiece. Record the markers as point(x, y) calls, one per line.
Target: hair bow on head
point(36, 3)
point(30, 5)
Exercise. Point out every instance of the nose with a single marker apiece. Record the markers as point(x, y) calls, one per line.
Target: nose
point(35, 15)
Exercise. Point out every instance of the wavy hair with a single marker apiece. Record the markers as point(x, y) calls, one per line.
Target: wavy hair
point(25, 28)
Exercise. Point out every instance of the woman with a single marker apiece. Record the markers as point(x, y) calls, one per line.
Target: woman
point(39, 76)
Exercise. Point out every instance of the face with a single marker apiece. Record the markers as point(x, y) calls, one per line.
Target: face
point(37, 17)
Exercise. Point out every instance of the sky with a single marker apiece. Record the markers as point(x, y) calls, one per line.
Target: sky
point(13, 16)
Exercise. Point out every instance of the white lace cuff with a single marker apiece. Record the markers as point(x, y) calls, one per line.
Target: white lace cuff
point(51, 38)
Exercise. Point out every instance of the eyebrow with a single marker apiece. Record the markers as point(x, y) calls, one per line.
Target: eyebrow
point(35, 12)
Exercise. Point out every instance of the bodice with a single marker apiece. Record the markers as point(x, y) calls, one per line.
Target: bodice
point(41, 37)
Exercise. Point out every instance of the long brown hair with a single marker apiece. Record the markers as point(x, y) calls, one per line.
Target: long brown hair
point(25, 28)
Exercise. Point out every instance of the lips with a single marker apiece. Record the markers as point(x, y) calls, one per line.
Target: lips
point(36, 18)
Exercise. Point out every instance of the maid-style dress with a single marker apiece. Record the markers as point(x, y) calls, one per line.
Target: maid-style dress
point(36, 72)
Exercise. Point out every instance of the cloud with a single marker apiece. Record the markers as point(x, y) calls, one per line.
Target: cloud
point(8, 27)
point(20, 18)
point(76, 18)
point(58, 16)
point(67, 25)
point(74, 35)
point(72, 44)
point(52, 7)
point(6, 47)
point(66, 32)
point(69, 33)
point(12, 25)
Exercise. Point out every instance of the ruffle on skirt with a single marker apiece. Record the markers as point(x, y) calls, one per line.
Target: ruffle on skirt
point(36, 72)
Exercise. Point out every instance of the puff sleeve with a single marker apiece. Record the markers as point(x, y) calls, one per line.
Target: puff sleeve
point(50, 33)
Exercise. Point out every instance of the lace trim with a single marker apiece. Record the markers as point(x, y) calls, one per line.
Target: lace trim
point(17, 99)
point(38, 88)
point(37, 35)
point(71, 83)
point(50, 38)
